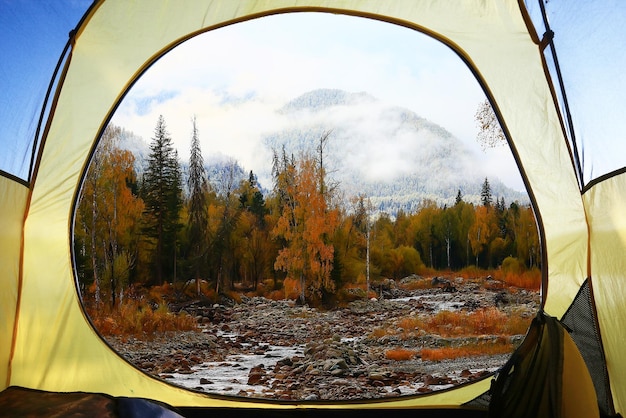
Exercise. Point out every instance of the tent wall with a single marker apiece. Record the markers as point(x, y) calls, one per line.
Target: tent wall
point(57, 350)
point(13, 197)
point(605, 203)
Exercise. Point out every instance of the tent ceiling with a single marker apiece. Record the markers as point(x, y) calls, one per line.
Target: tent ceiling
point(52, 341)
point(586, 37)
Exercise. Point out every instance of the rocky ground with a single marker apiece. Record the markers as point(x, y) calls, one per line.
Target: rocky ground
point(278, 350)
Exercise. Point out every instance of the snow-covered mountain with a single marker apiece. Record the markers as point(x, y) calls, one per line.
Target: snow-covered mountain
point(388, 153)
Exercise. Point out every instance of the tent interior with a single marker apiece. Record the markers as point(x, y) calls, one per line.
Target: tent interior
point(553, 73)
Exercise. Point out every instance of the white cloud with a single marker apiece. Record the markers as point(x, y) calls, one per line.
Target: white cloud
point(234, 78)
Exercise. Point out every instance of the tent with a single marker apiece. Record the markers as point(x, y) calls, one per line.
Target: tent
point(560, 113)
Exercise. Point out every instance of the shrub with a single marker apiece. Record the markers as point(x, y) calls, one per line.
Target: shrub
point(209, 293)
point(291, 288)
point(512, 265)
point(234, 296)
point(350, 293)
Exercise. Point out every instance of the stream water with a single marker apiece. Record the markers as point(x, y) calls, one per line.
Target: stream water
point(230, 377)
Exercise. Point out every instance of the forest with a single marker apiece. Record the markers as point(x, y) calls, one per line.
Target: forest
point(303, 239)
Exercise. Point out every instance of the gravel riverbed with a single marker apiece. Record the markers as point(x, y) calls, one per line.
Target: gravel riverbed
point(279, 350)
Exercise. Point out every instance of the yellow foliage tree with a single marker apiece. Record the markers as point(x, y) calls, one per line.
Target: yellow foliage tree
point(483, 230)
point(109, 214)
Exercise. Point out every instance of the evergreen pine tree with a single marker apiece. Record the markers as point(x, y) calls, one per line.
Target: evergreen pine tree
point(459, 198)
point(251, 198)
point(198, 207)
point(162, 195)
point(485, 194)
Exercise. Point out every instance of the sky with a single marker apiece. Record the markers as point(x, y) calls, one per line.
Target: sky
point(234, 79)
point(33, 34)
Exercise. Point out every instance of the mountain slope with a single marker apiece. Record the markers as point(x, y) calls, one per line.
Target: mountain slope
point(388, 153)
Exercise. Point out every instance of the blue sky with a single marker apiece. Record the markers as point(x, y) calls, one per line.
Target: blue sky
point(33, 34)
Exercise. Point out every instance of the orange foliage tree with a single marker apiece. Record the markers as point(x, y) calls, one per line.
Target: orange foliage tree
point(306, 224)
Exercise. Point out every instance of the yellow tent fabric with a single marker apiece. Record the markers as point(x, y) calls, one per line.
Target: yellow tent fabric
point(12, 205)
point(605, 204)
point(53, 346)
point(579, 395)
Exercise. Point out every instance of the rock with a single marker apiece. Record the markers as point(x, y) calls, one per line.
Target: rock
point(313, 372)
point(340, 382)
point(256, 375)
point(339, 355)
point(341, 364)
point(376, 376)
point(436, 380)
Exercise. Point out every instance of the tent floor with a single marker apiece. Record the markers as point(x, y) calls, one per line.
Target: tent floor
point(22, 402)
point(332, 413)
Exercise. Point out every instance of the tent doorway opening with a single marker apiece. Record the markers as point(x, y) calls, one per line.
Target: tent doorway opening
point(296, 207)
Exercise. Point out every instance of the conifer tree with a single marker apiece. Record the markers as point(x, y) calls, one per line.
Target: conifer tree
point(162, 194)
point(459, 197)
point(485, 194)
point(251, 198)
point(197, 222)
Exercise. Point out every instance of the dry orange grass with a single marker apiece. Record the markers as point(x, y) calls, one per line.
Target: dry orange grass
point(158, 292)
point(409, 323)
point(530, 279)
point(137, 319)
point(419, 284)
point(400, 354)
point(378, 333)
point(472, 272)
point(483, 321)
point(469, 350)
point(487, 321)
point(276, 295)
